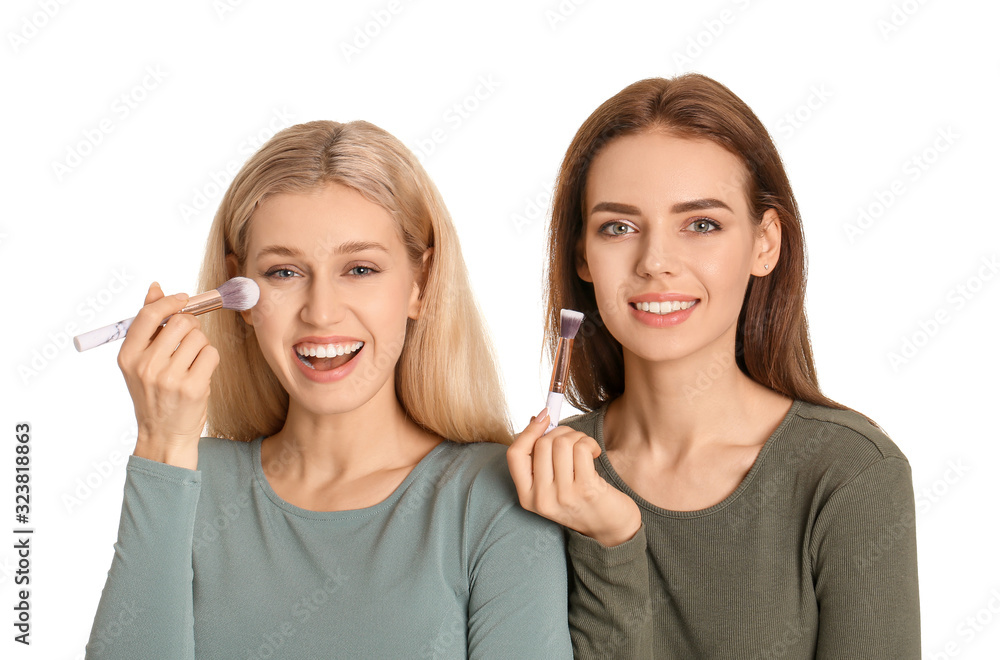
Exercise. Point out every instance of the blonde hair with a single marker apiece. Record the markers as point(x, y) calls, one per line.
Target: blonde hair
point(446, 378)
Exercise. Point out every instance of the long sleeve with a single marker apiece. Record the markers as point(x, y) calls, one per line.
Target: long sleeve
point(517, 599)
point(146, 609)
point(865, 566)
point(610, 611)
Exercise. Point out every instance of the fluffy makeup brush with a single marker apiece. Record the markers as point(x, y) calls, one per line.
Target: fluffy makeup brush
point(569, 325)
point(238, 294)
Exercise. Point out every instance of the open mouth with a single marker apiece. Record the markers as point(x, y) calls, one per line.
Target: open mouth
point(324, 357)
point(665, 307)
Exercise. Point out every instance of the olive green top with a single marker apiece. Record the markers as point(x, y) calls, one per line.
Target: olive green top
point(813, 555)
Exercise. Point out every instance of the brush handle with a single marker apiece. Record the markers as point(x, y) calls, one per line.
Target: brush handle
point(554, 405)
point(203, 302)
point(107, 334)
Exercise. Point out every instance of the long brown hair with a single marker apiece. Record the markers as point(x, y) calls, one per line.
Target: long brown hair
point(772, 337)
point(446, 377)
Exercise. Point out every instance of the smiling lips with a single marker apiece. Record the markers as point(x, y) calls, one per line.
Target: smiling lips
point(662, 310)
point(325, 361)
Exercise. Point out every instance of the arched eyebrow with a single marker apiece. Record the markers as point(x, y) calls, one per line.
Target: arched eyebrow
point(681, 207)
point(615, 207)
point(700, 205)
point(348, 247)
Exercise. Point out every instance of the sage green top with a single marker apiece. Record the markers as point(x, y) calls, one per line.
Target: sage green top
point(813, 555)
point(212, 563)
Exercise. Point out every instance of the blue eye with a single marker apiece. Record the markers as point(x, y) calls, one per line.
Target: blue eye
point(704, 226)
point(280, 273)
point(616, 228)
point(362, 271)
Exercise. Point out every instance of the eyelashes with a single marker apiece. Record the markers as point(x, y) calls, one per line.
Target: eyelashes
point(286, 273)
point(623, 228)
point(704, 226)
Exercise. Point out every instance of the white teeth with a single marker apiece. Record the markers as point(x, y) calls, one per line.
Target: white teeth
point(665, 307)
point(328, 350)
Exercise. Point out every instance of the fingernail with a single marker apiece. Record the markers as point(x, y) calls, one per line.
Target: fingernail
point(156, 284)
point(181, 296)
point(542, 414)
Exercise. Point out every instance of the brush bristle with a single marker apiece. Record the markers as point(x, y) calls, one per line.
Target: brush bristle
point(239, 294)
point(569, 323)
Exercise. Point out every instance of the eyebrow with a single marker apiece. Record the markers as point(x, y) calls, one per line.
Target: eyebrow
point(348, 247)
point(682, 207)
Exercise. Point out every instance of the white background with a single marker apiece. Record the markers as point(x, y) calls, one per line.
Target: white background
point(103, 194)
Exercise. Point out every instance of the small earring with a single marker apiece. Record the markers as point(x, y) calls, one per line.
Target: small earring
point(765, 266)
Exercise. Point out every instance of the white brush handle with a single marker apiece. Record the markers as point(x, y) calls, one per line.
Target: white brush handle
point(108, 333)
point(554, 405)
point(197, 305)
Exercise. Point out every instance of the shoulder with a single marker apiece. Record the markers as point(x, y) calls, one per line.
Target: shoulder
point(477, 468)
point(221, 449)
point(835, 445)
point(847, 429)
point(220, 459)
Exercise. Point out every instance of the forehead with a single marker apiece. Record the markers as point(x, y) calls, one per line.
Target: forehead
point(655, 168)
point(327, 216)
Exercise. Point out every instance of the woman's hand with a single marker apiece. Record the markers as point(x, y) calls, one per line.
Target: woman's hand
point(555, 477)
point(168, 371)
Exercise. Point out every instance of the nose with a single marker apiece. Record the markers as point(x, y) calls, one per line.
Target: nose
point(323, 305)
point(659, 255)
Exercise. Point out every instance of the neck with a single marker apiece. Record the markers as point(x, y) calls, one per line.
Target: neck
point(319, 447)
point(677, 406)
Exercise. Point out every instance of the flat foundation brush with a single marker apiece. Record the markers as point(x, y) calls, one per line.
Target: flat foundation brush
point(569, 325)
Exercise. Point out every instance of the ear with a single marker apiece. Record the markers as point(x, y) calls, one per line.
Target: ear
point(582, 267)
point(767, 245)
point(233, 270)
point(419, 283)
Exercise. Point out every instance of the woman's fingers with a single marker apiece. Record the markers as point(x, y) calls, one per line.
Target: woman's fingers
point(519, 456)
point(562, 462)
point(154, 293)
point(149, 318)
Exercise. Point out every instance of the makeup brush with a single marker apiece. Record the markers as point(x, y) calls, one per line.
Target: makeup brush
point(569, 325)
point(238, 294)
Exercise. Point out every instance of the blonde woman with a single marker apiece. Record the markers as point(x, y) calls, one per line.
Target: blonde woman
point(355, 501)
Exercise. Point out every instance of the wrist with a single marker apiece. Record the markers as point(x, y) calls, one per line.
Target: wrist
point(183, 455)
point(620, 533)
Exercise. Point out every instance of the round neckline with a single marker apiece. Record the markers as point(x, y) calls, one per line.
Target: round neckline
point(348, 514)
point(669, 513)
